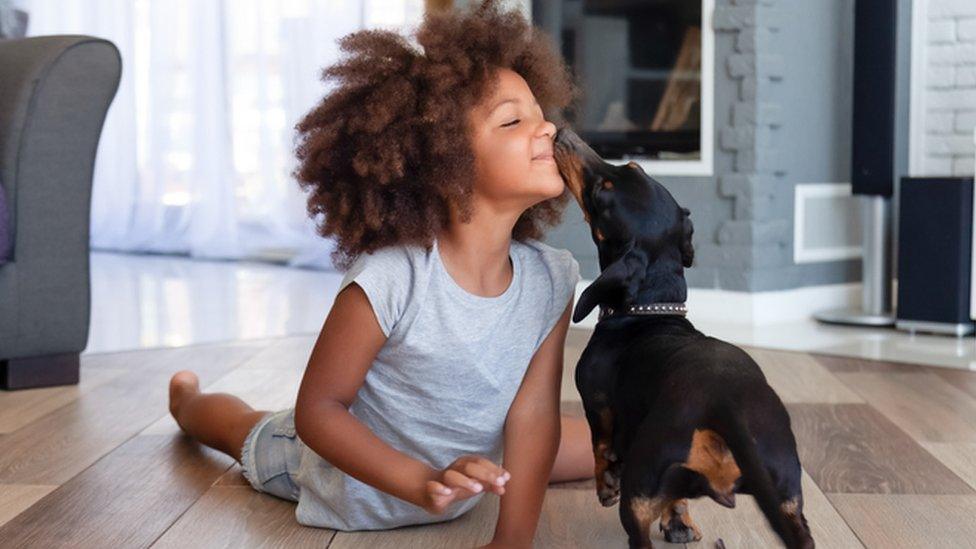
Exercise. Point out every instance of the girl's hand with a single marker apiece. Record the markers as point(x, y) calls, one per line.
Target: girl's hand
point(467, 476)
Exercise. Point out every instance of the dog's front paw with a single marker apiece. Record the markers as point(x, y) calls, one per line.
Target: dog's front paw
point(608, 489)
point(677, 525)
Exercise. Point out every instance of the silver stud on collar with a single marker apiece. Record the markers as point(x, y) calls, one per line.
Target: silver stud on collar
point(677, 309)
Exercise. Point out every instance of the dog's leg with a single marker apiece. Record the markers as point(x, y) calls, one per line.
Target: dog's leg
point(594, 381)
point(637, 514)
point(793, 509)
point(676, 523)
point(607, 463)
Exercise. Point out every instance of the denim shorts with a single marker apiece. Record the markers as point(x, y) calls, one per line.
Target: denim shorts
point(271, 455)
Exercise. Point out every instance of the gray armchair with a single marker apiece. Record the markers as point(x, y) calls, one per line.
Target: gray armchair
point(54, 94)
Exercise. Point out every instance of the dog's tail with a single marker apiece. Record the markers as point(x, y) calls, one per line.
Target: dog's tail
point(730, 426)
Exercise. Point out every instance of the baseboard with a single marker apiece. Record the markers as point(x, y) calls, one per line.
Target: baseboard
point(755, 308)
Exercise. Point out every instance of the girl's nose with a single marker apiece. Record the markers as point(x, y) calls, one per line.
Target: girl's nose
point(549, 129)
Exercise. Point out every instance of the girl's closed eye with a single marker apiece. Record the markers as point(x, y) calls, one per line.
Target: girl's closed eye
point(512, 123)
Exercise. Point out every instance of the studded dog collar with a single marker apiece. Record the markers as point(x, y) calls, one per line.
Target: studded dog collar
point(679, 309)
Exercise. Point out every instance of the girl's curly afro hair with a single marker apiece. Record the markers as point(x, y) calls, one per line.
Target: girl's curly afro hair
point(386, 155)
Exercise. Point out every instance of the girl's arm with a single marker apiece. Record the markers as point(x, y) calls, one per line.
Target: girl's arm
point(343, 353)
point(532, 431)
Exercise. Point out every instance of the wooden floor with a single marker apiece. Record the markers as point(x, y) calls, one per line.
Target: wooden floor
point(889, 452)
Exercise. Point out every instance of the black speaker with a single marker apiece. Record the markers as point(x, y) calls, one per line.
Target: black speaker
point(935, 256)
point(881, 95)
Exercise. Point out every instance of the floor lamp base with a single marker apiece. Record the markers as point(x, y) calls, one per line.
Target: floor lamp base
point(855, 317)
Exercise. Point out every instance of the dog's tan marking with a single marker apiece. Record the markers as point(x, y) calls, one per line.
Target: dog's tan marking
point(571, 169)
point(599, 234)
point(790, 507)
point(679, 508)
point(645, 510)
point(600, 456)
point(710, 457)
point(607, 184)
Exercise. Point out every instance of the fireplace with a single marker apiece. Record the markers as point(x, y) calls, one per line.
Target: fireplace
point(639, 63)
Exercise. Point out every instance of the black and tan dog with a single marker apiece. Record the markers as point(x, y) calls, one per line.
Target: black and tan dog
point(674, 414)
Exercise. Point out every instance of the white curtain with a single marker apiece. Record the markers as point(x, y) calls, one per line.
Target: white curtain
point(197, 148)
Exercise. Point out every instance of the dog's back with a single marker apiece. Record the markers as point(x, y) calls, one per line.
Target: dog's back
point(685, 399)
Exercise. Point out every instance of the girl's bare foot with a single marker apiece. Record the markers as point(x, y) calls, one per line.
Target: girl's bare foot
point(182, 385)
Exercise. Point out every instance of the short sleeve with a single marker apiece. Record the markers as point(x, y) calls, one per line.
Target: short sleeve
point(564, 274)
point(386, 277)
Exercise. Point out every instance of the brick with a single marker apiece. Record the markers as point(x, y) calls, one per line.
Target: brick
point(939, 9)
point(747, 114)
point(951, 99)
point(963, 165)
point(939, 122)
point(740, 137)
point(960, 53)
point(771, 18)
point(966, 76)
point(753, 39)
point(735, 184)
point(966, 30)
point(948, 145)
point(754, 231)
point(942, 31)
point(733, 18)
point(965, 121)
point(936, 166)
point(740, 65)
point(747, 88)
point(940, 77)
point(759, 206)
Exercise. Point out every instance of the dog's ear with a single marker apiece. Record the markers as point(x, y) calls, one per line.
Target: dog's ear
point(687, 229)
point(616, 284)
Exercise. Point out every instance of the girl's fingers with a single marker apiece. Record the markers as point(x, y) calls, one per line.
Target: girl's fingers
point(499, 471)
point(438, 489)
point(454, 478)
point(486, 473)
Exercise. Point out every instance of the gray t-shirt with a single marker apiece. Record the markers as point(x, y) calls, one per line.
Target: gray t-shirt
point(443, 382)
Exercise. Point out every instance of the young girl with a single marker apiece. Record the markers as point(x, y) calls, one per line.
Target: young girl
point(436, 376)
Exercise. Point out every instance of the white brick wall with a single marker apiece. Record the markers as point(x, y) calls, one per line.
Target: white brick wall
point(950, 88)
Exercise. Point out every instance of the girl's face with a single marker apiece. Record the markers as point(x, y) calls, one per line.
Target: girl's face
point(512, 144)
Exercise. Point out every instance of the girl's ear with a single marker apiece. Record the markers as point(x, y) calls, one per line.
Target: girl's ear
point(616, 285)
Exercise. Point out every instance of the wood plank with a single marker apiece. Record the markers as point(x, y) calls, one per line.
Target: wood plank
point(963, 380)
point(957, 456)
point(924, 405)
point(837, 364)
point(64, 442)
point(239, 516)
point(909, 520)
point(126, 499)
point(569, 519)
point(15, 498)
point(852, 448)
point(745, 525)
point(18, 408)
point(797, 377)
point(287, 353)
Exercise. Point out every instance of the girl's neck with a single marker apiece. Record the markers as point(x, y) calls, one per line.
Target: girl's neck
point(476, 253)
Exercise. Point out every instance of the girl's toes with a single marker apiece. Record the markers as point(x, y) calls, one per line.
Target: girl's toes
point(182, 383)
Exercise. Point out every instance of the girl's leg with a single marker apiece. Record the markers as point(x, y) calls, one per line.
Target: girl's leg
point(574, 460)
point(218, 420)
